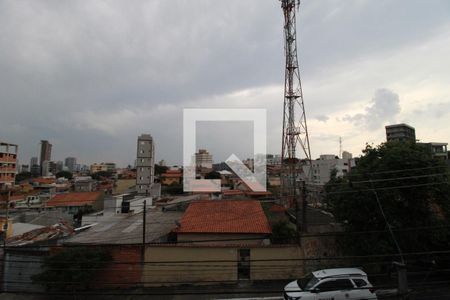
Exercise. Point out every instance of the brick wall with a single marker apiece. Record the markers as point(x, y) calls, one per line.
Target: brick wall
point(125, 270)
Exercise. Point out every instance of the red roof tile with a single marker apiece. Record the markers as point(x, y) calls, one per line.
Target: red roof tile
point(232, 192)
point(172, 175)
point(225, 216)
point(74, 199)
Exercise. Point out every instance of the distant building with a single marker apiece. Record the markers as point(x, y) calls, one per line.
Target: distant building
point(8, 164)
point(400, 133)
point(73, 202)
point(273, 159)
point(145, 164)
point(46, 153)
point(48, 168)
point(103, 167)
point(437, 150)
point(71, 163)
point(322, 167)
point(59, 166)
point(33, 161)
point(171, 177)
point(24, 168)
point(203, 159)
point(84, 184)
point(35, 170)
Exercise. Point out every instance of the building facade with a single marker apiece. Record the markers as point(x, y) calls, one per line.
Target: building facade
point(103, 167)
point(322, 167)
point(145, 164)
point(70, 163)
point(437, 150)
point(203, 159)
point(46, 152)
point(400, 133)
point(8, 164)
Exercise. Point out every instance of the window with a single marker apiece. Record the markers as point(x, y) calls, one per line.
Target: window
point(335, 285)
point(360, 282)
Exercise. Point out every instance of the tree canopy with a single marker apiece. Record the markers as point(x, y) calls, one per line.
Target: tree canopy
point(101, 175)
point(65, 174)
point(85, 262)
point(213, 175)
point(411, 188)
point(23, 176)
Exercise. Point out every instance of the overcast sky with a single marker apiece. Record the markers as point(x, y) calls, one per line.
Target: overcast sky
point(90, 76)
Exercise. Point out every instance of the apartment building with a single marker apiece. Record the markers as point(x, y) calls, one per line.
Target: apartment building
point(8, 164)
point(145, 164)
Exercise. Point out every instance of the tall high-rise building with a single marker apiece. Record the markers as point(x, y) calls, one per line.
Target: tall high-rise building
point(145, 164)
point(33, 161)
point(400, 133)
point(46, 153)
point(8, 164)
point(70, 163)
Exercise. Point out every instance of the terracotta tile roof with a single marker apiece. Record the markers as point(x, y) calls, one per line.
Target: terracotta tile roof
point(277, 208)
point(173, 171)
point(224, 216)
point(172, 175)
point(41, 180)
point(232, 192)
point(74, 199)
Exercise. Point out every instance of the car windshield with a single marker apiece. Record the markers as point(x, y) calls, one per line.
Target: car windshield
point(307, 282)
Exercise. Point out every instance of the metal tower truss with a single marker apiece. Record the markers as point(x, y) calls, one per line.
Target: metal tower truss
point(295, 131)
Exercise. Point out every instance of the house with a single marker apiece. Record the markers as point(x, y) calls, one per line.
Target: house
point(223, 221)
point(73, 202)
point(171, 177)
point(25, 252)
point(84, 184)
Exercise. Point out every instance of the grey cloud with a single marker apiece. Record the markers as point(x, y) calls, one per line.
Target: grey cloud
point(322, 118)
point(384, 107)
point(70, 69)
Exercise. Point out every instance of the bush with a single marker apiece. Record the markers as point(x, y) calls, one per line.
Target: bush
point(72, 268)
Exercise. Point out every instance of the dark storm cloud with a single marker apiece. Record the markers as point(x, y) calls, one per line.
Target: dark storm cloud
point(90, 76)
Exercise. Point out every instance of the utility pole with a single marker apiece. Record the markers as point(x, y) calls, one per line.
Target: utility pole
point(295, 131)
point(144, 225)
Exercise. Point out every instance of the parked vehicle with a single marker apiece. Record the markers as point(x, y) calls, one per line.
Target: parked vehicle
point(331, 284)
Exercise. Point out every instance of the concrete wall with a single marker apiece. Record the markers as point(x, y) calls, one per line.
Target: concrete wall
point(176, 265)
point(18, 268)
point(124, 272)
point(274, 263)
point(253, 239)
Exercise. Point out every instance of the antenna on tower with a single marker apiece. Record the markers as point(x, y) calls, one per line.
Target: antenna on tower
point(340, 147)
point(295, 131)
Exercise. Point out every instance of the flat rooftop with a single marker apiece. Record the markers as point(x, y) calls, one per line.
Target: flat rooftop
point(127, 229)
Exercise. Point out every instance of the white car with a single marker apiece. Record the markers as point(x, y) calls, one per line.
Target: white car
point(331, 284)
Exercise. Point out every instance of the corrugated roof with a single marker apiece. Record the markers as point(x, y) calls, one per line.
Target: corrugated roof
point(225, 216)
point(74, 199)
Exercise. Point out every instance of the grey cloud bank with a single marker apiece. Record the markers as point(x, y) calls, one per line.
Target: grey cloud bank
point(92, 76)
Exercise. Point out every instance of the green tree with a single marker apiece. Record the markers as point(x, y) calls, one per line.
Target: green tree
point(101, 175)
point(283, 232)
point(411, 188)
point(65, 174)
point(23, 176)
point(213, 175)
point(72, 268)
point(160, 169)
